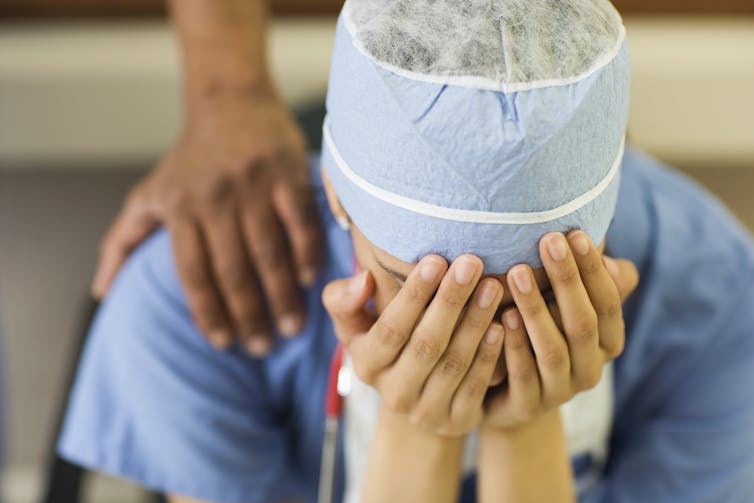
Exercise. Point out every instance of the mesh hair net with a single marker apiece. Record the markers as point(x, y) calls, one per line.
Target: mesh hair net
point(516, 43)
point(476, 126)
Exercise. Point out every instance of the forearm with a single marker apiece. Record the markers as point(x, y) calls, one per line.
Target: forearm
point(410, 464)
point(223, 45)
point(528, 463)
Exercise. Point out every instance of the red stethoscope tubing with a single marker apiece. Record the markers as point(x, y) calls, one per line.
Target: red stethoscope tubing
point(333, 411)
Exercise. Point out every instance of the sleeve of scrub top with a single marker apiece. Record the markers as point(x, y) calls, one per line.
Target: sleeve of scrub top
point(154, 403)
point(699, 445)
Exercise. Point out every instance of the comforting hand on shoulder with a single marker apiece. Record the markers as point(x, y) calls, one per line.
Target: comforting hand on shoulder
point(236, 196)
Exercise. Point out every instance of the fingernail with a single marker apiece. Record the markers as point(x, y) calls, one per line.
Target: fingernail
point(612, 266)
point(344, 222)
point(521, 279)
point(430, 269)
point(357, 283)
point(493, 334)
point(290, 324)
point(488, 294)
point(219, 338)
point(580, 243)
point(556, 246)
point(258, 345)
point(307, 277)
point(464, 271)
point(511, 320)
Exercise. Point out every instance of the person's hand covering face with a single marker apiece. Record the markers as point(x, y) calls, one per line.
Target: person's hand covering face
point(433, 350)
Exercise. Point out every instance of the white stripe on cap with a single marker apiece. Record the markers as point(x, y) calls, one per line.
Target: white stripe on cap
point(472, 216)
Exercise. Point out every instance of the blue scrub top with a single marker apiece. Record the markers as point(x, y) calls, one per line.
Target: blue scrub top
point(153, 402)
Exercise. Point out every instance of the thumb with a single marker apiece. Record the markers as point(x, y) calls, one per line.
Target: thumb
point(624, 274)
point(136, 221)
point(345, 300)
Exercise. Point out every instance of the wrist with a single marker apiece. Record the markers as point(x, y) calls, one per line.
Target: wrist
point(410, 436)
point(527, 462)
point(229, 76)
point(549, 422)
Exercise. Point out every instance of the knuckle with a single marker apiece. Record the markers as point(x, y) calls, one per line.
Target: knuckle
point(612, 310)
point(583, 331)
point(234, 276)
point(364, 374)
point(424, 418)
point(517, 341)
point(554, 358)
point(387, 335)
point(488, 354)
point(476, 388)
point(269, 256)
point(476, 320)
point(534, 309)
point(413, 292)
point(177, 200)
point(567, 276)
point(589, 377)
point(615, 346)
point(452, 297)
point(216, 190)
point(398, 402)
point(591, 267)
point(452, 365)
point(250, 169)
point(195, 276)
point(447, 431)
point(525, 375)
point(425, 350)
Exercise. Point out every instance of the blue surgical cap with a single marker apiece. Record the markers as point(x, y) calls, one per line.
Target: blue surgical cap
point(455, 129)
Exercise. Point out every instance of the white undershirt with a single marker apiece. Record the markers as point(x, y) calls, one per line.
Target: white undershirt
point(587, 419)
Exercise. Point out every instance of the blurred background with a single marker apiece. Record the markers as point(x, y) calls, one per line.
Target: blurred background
point(90, 98)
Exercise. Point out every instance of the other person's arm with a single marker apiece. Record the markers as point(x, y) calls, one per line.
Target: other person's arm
point(234, 189)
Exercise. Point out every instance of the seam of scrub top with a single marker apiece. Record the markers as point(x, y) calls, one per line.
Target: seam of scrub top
point(472, 216)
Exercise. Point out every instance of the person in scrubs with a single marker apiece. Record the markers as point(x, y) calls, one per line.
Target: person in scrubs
point(480, 321)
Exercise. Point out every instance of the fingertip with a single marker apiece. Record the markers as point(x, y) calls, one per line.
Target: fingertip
point(291, 324)
point(494, 333)
point(307, 276)
point(580, 243)
point(357, 283)
point(220, 338)
point(512, 318)
point(258, 345)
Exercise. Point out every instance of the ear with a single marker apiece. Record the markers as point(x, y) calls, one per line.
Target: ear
point(332, 198)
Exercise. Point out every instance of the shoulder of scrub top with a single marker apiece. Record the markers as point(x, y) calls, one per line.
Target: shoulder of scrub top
point(683, 404)
point(695, 259)
point(148, 287)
